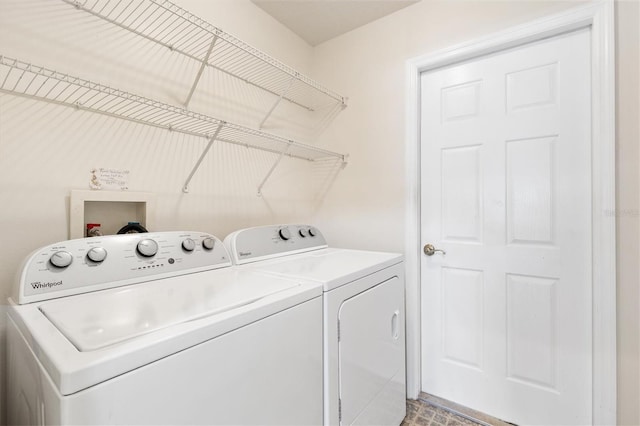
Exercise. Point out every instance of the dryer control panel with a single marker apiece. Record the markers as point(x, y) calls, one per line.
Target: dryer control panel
point(266, 242)
point(91, 264)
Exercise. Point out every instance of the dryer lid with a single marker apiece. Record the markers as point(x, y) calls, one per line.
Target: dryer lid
point(101, 319)
point(332, 267)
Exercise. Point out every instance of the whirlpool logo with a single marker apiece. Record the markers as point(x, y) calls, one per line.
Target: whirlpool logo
point(244, 253)
point(40, 285)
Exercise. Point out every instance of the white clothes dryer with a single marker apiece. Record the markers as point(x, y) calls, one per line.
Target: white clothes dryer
point(158, 328)
point(364, 316)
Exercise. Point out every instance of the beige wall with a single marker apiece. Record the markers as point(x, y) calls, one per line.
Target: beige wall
point(366, 205)
point(628, 209)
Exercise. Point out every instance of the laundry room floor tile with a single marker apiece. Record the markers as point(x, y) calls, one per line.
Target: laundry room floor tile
point(428, 410)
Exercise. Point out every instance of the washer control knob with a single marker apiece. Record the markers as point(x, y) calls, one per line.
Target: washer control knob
point(313, 232)
point(284, 233)
point(303, 232)
point(97, 254)
point(147, 247)
point(208, 243)
point(61, 259)
point(189, 244)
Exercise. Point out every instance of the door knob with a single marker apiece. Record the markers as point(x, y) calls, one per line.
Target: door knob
point(430, 250)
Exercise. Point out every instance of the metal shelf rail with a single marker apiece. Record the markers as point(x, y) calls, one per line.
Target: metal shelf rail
point(169, 25)
point(36, 82)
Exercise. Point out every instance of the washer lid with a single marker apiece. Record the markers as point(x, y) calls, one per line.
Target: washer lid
point(182, 312)
point(100, 319)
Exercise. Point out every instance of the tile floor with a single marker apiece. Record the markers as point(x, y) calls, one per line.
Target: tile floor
point(428, 410)
point(420, 413)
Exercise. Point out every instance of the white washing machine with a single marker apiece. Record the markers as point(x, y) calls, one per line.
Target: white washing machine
point(158, 328)
point(364, 320)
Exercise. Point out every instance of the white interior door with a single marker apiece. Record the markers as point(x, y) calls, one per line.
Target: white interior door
point(506, 192)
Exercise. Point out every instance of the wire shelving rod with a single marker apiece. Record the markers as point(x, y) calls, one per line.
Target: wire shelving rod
point(167, 24)
point(40, 83)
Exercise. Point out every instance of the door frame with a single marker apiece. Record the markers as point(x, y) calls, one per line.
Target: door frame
point(599, 17)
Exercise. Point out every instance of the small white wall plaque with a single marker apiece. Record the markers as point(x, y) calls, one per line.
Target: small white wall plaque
point(109, 179)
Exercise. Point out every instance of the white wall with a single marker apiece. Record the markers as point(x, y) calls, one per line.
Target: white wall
point(366, 205)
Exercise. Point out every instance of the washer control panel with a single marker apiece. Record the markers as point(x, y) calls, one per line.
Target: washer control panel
point(91, 264)
point(265, 242)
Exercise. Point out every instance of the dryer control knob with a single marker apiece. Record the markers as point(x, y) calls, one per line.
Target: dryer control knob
point(303, 232)
point(147, 247)
point(61, 259)
point(313, 232)
point(97, 254)
point(189, 244)
point(284, 234)
point(208, 243)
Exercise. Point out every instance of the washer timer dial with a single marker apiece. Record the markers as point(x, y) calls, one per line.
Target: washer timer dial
point(208, 243)
point(147, 247)
point(61, 259)
point(284, 234)
point(189, 244)
point(97, 254)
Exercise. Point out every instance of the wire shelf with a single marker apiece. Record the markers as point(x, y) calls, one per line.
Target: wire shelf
point(36, 82)
point(180, 31)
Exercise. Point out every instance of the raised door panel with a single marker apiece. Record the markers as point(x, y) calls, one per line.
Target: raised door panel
point(461, 194)
point(532, 87)
point(532, 330)
point(462, 316)
point(531, 177)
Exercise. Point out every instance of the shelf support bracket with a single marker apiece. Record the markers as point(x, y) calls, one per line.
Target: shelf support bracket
point(277, 102)
point(202, 66)
point(212, 139)
point(273, 167)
